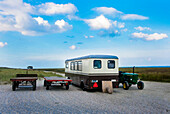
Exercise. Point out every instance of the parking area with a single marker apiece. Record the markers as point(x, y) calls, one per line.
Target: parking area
point(155, 98)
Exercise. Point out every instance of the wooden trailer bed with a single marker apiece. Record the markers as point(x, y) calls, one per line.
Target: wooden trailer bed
point(48, 81)
point(21, 78)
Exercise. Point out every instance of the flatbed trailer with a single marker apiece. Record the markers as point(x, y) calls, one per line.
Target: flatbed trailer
point(21, 78)
point(48, 81)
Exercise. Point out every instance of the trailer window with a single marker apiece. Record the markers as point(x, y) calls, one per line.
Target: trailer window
point(66, 64)
point(72, 66)
point(79, 65)
point(97, 64)
point(111, 64)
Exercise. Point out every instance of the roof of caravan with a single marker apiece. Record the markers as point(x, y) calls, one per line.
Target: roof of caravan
point(95, 56)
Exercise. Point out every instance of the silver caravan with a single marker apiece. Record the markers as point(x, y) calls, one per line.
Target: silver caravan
point(88, 72)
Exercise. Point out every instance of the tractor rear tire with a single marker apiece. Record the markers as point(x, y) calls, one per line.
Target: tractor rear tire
point(125, 85)
point(140, 85)
point(130, 85)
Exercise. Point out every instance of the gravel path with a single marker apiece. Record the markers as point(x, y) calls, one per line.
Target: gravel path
point(155, 98)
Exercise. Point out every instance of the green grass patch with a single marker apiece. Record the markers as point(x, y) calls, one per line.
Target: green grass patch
point(60, 70)
point(7, 74)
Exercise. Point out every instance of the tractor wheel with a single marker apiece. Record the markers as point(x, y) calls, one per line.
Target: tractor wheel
point(14, 86)
point(140, 85)
point(130, 85)
point(67, 87)
point(125, 85)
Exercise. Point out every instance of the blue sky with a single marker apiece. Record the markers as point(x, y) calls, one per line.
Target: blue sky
point(45, 34)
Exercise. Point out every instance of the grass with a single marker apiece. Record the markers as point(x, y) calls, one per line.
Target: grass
point(147, 74)
point(60, 70)
point(7, 74)
point(151, 74)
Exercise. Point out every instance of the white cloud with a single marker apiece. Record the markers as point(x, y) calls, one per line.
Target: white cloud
point(106, 10)
point(51, 8)
point(88, 36)
point(99, 22)
point(149, 37)
point(15, 15)
point(124, 30)
point(121, 25)
point(85, 36)
point(73, 47)
point(91, 36)
point(41, 21)
point(62, 24)
point(3, 44)
point(142, 28)
point(133, 17)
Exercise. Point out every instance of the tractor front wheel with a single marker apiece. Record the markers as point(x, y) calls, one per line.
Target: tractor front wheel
point(125, 85)
point(140, 85)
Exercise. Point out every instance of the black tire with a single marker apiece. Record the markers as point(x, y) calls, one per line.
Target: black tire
point(81, 85)
point(14, 86)
point(34, 85)
point(125, 85)
point(17, 84)
point(45, 84)
point(140, 85)
point(67, 87)
point(47, 87)
point(130, 85)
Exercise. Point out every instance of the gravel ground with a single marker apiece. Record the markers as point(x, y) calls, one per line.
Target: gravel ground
point(155, 98)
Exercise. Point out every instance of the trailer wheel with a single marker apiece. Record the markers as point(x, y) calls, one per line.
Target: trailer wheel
point(13, 85)
point(17, 84)
point(67, 87)
point(47, 87)
point(45, 84)
point(140, 85)
point(125, 85)
point(34, 85)
point(82, 85)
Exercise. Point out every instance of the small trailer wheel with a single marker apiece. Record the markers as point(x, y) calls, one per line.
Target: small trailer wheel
point(34, 85)
point(140, 85)
point(67, 87)
point(47, 87)
point(13, 85)
point(45, 83)
point(125, 85)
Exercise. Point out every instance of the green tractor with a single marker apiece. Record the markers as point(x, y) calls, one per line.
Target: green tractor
point(127, 79)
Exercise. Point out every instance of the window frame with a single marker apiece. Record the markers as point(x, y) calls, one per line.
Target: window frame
point(100, 64)
point(109, 63)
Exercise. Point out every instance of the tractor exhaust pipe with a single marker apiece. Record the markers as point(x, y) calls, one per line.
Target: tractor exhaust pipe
point(133, 69)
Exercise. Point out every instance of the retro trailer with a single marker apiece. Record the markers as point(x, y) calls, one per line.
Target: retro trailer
point(88, 72)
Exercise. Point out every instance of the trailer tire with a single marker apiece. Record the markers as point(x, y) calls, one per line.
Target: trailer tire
point(14, 86)
point(67, 87)
point(45, 84)
point(34, 85)
point(125, 85)
point(47, 87)
point(140, 85)
point(82, 85)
